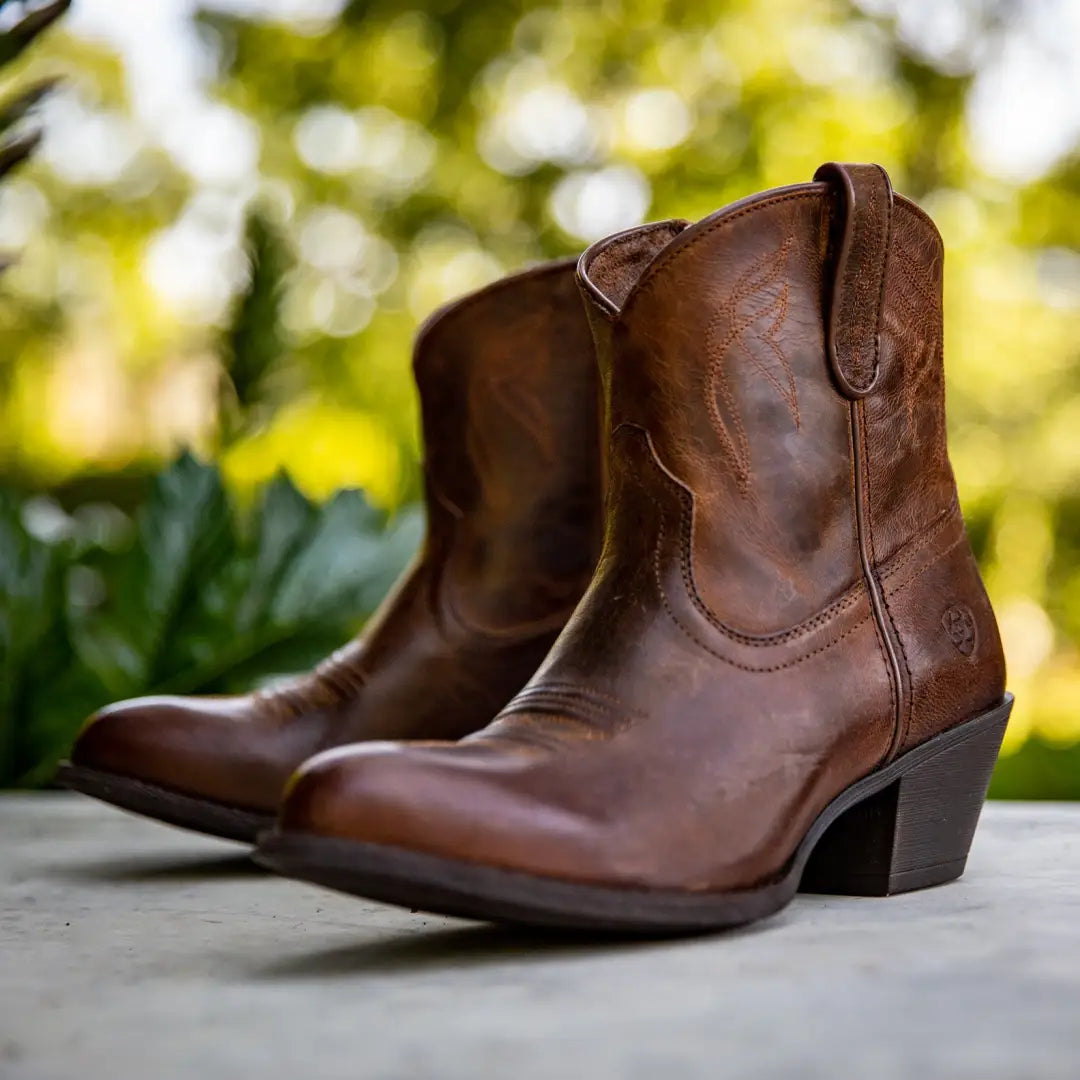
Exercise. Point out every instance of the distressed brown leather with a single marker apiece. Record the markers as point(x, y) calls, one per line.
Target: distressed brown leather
point(785, 599)
point(509, 400)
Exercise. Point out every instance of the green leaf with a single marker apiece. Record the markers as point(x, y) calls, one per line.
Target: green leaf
point(225, 620)
point(400, 543)
point(183, 532)
point(298, 649)
point(343, 569)
point(194, 604)
point(16, 150)
point(24, 102)
point(31, 591)
point(301, 586)
point(284, 523)
point(57, 709)
point(22, 33)
point(254, 342)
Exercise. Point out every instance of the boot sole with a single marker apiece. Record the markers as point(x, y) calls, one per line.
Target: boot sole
point(907, 826)
point(170, 807)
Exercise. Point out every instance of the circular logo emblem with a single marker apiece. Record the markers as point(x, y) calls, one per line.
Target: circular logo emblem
point(959, 624)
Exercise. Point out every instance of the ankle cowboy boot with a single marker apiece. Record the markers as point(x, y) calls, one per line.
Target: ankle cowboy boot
point(510, 410)
point(785, 669)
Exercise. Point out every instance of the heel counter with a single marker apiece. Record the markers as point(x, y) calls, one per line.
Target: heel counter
point(955, 662)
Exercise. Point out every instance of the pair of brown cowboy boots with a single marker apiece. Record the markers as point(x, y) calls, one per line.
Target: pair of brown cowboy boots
point(703, 616)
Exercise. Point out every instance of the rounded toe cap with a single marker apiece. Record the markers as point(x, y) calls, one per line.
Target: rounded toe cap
point(126, 737)
point(195, 746)
point(365, 792)
point(468, 802)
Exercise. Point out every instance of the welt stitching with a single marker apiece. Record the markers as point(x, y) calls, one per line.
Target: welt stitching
point(727, 219)
point(842, 603)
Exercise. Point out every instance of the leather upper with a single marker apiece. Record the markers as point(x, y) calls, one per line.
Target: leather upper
point(785, 599)
point(510, 417)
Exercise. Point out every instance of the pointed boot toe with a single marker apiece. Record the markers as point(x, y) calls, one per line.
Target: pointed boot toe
point(183, 761)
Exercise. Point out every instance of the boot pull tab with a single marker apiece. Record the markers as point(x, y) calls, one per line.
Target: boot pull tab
point(853, 325)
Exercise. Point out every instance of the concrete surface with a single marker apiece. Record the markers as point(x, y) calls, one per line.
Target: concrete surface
point(128, 949)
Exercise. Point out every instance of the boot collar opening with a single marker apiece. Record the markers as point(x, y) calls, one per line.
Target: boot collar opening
point(610, 268)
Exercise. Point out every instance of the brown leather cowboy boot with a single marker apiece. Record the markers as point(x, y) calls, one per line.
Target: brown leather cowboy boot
point(785, 669)
point(510, 408)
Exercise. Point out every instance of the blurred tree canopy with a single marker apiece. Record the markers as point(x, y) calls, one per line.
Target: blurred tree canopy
point(244, 275)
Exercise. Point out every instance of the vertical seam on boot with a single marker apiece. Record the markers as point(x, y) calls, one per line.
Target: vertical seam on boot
point(879, 636)
point(904, 700)
point(872, 585)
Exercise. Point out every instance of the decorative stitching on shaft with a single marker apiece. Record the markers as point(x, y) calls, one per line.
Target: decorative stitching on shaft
point(725, 220)
point(905, 554)
point(764, 271)
point(898, 586)
point(658, 577)
point(686, 501)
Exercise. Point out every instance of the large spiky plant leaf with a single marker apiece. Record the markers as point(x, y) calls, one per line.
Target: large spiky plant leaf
point(204, 596)
point(253, 344)
point(15, 150)
point(17, 142)
point(28, 23)
point(24, 101)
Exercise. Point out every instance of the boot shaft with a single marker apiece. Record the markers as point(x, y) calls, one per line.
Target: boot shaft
point(509, 399)
point(783, 358)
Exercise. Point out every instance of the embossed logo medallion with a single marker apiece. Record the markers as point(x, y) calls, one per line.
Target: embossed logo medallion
point(959, 624)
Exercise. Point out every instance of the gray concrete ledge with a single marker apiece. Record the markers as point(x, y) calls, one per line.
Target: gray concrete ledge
point(128, 949)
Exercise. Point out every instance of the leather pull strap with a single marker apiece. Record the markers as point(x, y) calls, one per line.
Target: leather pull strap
point(865, 203)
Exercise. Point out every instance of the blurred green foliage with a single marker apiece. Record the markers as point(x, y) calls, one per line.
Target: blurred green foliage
point(192, 596)
point(246, 281)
